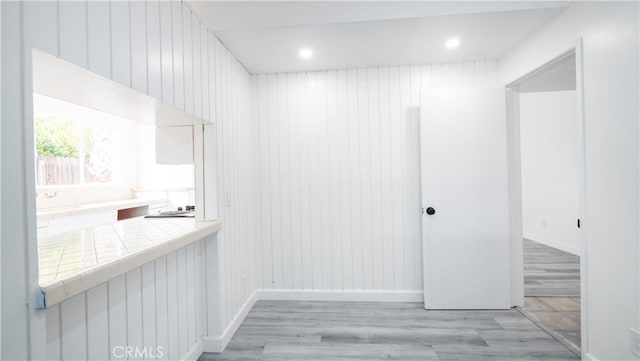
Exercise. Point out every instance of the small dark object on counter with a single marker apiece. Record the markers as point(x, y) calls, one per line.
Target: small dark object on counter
point(189, 212)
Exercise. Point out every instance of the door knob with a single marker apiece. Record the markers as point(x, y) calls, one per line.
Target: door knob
point(431, 211)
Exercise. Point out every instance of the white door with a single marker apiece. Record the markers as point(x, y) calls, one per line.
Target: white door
point(464, 180)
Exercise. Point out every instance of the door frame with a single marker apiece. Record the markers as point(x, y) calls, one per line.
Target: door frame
point(515, 186)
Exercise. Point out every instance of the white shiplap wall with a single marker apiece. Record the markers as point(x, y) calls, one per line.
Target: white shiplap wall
point(337, 159)
point(158, 308)
point(156, 47)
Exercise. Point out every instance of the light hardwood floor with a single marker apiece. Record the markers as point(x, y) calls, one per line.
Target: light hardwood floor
point(560, 316)
point(549, 271)
point(552, 290)
point(278, 330)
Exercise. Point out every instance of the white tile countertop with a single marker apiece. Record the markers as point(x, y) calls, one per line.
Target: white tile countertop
point(77, 261)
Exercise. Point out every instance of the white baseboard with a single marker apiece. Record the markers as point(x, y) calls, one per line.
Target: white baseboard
point(340, 295)
point(194, 353)
point(218, 343)
point(570, 248)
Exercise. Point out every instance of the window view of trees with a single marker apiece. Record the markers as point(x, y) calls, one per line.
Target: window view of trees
point(70, 152)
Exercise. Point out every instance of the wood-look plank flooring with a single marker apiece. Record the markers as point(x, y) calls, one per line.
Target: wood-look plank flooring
point(559, 316)
point(552, 290)
point(283, 330)
point(549, 271)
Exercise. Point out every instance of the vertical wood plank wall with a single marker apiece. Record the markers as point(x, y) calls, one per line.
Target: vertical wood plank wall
point(337, 159)
point(159, 48)
point(158, 308)
point(334, 156)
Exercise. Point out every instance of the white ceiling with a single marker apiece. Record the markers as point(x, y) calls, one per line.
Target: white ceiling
point(266, 36)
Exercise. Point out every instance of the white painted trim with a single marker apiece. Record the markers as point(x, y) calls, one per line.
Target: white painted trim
point(194, 353)
point(515, 184)
point(582, 194)
point(514, 177)
point(589, 357)
point(340, 295)
point(573, 249)
point(219, 343)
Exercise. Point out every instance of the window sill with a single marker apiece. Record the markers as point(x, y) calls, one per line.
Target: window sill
point(59, 212)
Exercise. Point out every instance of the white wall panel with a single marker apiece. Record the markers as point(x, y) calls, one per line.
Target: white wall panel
point(154, 50)
point(338, 164)
point(408, 219)
point(149, 315)
point(364, 149)
point(120, 42)
point(73, 31)
point(375, 178)
point(97, 323)
point(53, 333)
point(131, 311)
point(99, 33)
point(181, 295)
point(306, 205)
point(0, 183)
point(187, 52)
point(142, 45)
point(355, 190)
point(284, 181)
point(204, 63)
point(343, 168)
point(334, 237)
point(232, 96)
point(397, 189)
point(73, 328)
point(138, 36)
point(414, 131)
point(324, 228)
point(178, 55)
point(173, 345)
point(166, 50)
point(191, 294)
point(197, 69)
point(274, 178)
point(162, 313)
point(294, 180)
point(386, 196)
point(134, 307)
point(117, 296)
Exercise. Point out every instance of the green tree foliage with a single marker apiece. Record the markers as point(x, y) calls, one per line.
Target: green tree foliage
point(56, 137)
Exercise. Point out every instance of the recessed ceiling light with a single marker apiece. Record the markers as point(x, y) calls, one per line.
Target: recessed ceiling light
point(306, 53)
point(452, 43)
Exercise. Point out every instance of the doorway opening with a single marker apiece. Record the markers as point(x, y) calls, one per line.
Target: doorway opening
point(547, 183)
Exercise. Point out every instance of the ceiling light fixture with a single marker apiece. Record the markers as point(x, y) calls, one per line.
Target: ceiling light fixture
point(305, 53)
point(452, 43)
